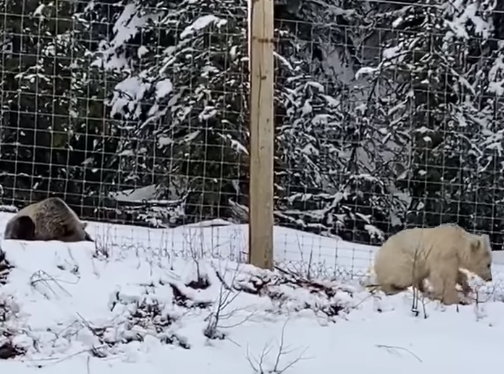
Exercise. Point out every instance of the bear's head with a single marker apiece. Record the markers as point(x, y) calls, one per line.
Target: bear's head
point(21, 228)
point(480, 258)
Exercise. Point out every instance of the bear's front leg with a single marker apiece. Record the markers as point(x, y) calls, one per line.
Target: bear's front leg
point(463, 281)
point(443, 278)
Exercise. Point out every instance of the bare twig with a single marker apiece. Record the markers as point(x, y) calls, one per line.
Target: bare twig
point(259, 365)
point(394, 349)
point(221, 278)
point(226, 297)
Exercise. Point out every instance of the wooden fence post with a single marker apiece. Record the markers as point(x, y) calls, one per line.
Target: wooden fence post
point(261, 133)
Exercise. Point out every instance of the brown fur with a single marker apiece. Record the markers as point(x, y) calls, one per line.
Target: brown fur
point(411, 256)
point(21, 228)
point(52, 219)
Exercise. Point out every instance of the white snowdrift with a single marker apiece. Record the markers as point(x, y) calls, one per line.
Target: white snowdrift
point(121, 306)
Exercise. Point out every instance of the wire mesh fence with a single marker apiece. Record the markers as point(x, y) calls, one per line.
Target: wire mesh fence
point(387, 115)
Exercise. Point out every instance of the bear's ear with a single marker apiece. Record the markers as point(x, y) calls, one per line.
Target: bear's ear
point(475, 245)
point(84, 225)
point(486, 242)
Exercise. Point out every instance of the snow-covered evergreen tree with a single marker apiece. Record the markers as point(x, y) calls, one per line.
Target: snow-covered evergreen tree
point(41, 60)
point(331, 176)
point(386, 114)
point(444, 68)
point(181, 101)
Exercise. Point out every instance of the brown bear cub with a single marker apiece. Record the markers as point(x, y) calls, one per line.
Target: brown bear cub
point(437, 254)
point(21, 228)
point(49, 219)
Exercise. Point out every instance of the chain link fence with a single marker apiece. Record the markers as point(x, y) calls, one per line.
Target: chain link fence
point(388, 115)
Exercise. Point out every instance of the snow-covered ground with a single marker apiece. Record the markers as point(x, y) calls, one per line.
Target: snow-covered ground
point(178, 301)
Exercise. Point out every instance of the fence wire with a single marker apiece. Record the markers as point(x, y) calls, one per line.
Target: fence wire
point(387, 115)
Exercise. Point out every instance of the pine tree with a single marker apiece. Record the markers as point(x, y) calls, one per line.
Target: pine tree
point(330, 172)
point(38, 88)
point(182, 103)
point(439, 62)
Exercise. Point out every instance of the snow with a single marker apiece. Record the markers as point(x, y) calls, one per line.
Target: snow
point(465, 14)
point(138, 194)
point(365, 71)
point(127, 94)
point(163, 88)
point(126, 303)
point(129, 24)
point(201, 23)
